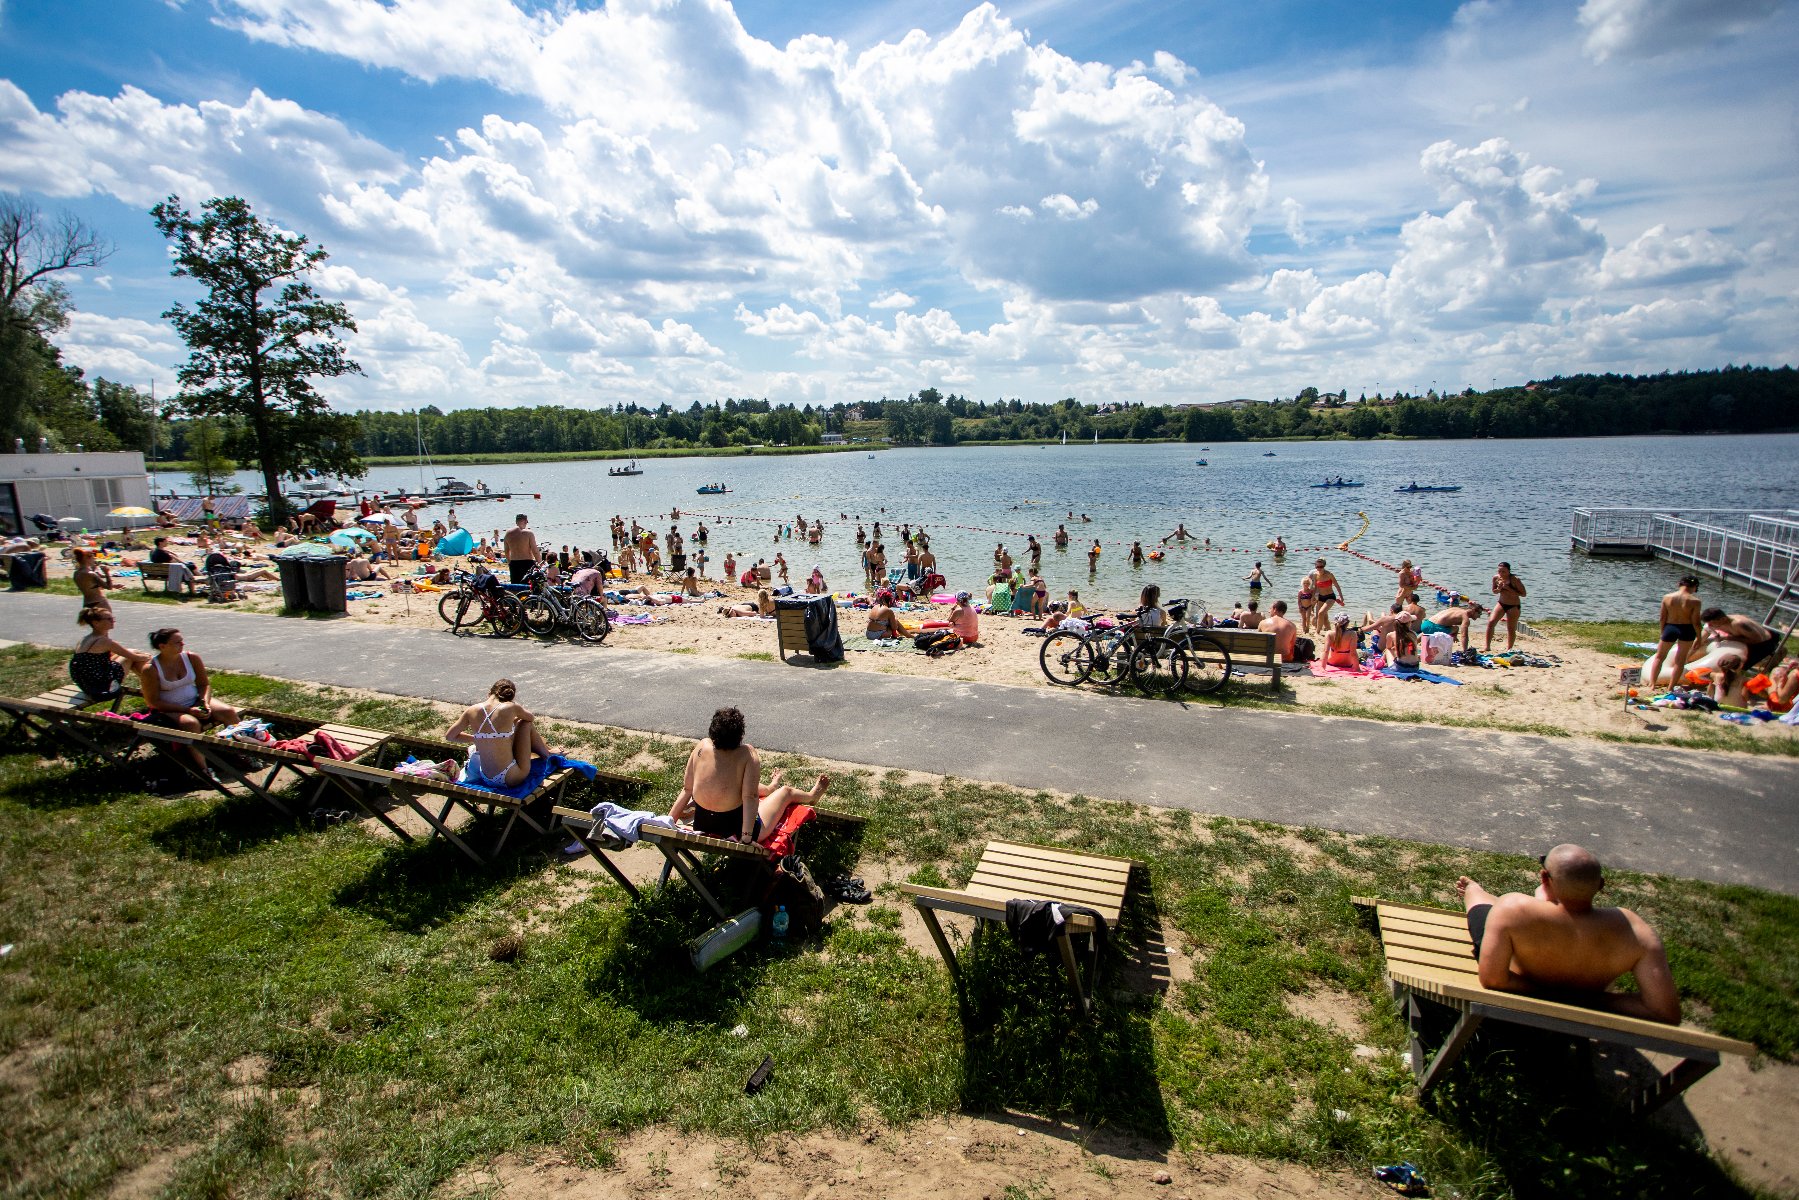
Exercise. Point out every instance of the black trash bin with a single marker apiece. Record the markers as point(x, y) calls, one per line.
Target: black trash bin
point(823, 642)
point(293, 582)
point(25, 571)
point(325, 584)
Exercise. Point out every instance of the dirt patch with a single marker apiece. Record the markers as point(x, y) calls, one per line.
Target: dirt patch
point(1336, 1010)
point(150, 1177)
point(20, 1070)
point(956, 1156)
point(1746, 1116)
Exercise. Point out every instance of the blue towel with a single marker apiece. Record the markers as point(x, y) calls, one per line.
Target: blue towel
point(1427, 676)
point(540, 770)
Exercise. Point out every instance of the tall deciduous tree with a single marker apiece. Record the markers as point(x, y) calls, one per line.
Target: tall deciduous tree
point(33, 302)
point(259, 338)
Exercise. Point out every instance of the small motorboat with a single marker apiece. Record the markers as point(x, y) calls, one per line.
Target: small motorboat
point(633, 469)
point(1439, 488)
point(1200, 462)
point(1339, 483)
point(1267, 454)
point(713, 489)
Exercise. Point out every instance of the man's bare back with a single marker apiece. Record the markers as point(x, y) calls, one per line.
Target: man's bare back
point(722, 780)
point(1557, 941)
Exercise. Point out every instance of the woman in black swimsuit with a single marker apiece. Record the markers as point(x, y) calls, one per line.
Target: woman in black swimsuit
point(95, 666)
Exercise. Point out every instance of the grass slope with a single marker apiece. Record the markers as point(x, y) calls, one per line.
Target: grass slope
point(287, 1012)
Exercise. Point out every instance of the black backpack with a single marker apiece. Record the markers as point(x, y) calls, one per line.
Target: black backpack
point(937, 641)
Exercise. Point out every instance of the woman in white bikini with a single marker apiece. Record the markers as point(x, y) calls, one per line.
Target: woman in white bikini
point(504, 737)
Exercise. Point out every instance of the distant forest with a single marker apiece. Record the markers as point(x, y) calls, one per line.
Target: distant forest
point(1731, 400)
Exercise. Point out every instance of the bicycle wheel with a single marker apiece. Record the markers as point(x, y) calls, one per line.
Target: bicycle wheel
point(1159, 667)
point(1109, 659)
point(1062, 659)
point(465, 614)
point(1208, 663)
point(505, 615)
point(452, 606)
point(539, 615)
point(591, 621)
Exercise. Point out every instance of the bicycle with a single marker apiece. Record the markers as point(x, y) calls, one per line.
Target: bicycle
point(545, 609)
point(1208, 661)
point(1111, 657)
point(469, 607)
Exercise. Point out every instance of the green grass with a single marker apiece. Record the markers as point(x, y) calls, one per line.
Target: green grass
point(1607, 637)
point(329, 1011)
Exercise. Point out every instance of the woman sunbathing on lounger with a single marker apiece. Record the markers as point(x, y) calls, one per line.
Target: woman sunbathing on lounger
point(721, 792)
point(504, 737)
point(763, 607)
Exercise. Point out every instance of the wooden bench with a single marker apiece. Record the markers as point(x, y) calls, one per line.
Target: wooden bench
point(790, 633)
point(160, 573)
point(1430, 957)
point(678, 847)
point(1252, 645)
point(1019, 871)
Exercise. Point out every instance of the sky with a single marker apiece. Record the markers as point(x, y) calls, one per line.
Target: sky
point(1161, 201)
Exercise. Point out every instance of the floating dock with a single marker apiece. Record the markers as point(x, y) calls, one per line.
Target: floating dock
point(1757, 549)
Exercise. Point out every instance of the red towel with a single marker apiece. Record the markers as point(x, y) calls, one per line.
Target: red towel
point(781, 840)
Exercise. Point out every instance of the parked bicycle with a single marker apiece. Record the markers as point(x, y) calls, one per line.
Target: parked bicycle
point(547, 609)
point(1180, 656)
point(470, 605)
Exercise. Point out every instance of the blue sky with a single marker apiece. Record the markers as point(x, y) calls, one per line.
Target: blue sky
point(1168, 202)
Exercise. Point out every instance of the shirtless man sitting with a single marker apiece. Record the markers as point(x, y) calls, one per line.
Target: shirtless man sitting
point(722, 787)
point(1763, 644)
point(1284, 631)
point(1557, 942)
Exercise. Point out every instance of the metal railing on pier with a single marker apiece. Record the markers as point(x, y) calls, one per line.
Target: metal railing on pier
point(1756, 549)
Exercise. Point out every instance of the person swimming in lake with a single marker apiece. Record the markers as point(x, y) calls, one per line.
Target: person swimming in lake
point(1093, 557)
point(1061, 538)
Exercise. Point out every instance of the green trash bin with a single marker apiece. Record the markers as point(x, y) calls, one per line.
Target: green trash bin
point(293, 582)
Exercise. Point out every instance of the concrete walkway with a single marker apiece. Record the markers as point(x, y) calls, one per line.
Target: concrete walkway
point(1723, 817)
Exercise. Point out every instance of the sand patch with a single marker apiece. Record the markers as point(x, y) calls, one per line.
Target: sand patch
point(1336, 1010)
point(959, 1156)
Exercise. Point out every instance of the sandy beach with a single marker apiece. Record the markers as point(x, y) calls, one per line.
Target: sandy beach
point(1582, 696)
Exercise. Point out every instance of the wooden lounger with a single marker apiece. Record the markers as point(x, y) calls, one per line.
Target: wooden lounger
point(1016, 871)
point(678, 847)
point(224, 755)
point(69, 717)
point(1430, 956)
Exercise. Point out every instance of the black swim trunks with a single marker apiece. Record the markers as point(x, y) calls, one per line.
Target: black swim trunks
point(1477, 925)
point(722, 824)
point(1760, 651)
point(1678, 633)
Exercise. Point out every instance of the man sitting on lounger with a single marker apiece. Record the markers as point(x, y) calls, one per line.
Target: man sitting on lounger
point(1556, 942)
point(721, 792)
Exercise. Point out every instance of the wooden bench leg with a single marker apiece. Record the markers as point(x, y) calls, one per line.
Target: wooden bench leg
point(689, 870)
point(358, 796)
point(1448, 1053)
point(1684, 1075)
point(1066, 947)
point(439, 822)
point(936, 931)
point(604, 859)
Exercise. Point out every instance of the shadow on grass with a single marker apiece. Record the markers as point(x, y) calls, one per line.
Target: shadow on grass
point(77, 781)
point(426, 881)
point(1552, 1112)
point(238, 824)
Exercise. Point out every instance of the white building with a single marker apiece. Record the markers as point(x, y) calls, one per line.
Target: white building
point(87, 486)
point(830, 439)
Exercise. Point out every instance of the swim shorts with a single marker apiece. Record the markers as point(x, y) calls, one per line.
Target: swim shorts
point(1477, 925)
point(1678, 633)
point(1430, 626)
point(1761, 650)
point(722, 824)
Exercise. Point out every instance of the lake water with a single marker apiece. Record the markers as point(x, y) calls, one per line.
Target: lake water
point(1516, 504)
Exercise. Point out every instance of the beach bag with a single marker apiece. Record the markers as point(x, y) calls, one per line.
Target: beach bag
point(794, 889)
point(1304, 650)
point(937, 641)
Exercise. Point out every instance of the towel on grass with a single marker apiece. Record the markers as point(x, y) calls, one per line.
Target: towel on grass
point(1427, 676)
point(858, 641)
point(541, 770)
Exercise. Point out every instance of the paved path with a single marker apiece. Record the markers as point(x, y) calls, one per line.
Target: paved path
point(1729, 818)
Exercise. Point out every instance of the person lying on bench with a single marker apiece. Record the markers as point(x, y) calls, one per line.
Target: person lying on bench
point(504, 737)
point(722, 788)
point(1558, 945)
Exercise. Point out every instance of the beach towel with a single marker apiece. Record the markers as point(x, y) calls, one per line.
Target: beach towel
point(1323, 672)
point(1427, 676)
point(624, 823)
point(781, 840)
point(540, 770)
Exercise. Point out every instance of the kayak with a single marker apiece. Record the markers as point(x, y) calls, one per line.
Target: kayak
point(1339, 485)
point(1415, 488)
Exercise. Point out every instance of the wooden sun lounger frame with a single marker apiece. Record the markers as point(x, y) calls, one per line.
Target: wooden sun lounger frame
point(679, 848)
point(1430, 956)
point(1021, 871)
point(69, 715)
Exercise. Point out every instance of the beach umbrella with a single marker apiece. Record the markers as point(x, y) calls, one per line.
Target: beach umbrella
point(348, 537)
point(131, 510)
point(377, 519)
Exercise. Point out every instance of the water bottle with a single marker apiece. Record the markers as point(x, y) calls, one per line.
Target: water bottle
point(780, 923)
